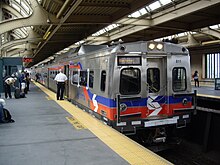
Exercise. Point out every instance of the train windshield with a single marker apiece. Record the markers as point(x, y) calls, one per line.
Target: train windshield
point(130, 81)
point(179, 79)
point(153, 80)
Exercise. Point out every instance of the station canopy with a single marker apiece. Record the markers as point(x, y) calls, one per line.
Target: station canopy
point(43, 29)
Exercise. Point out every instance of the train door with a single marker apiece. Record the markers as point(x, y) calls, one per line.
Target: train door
point(156, 85)
point(180, 67)
point(129, 81)
point(66, 72)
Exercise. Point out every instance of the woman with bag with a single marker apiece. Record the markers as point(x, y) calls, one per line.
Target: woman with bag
point(196, 78)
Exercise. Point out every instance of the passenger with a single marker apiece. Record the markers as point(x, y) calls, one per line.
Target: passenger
point(2, 102)
point(37, 77)
point(5, 116)
point(196, 78)
point(21, 79)
point(27, 78)
point(8, 83)
point(23, 86)
point(60, 79)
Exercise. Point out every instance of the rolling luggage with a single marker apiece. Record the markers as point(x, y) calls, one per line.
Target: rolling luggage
point(25, 90)
point(17, 93)
point(22, 95)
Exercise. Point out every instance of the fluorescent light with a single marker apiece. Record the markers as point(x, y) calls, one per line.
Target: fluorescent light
point(164, 2)
point(214, 26)
point(143, 11)
point(155, 5)
point(136, 14)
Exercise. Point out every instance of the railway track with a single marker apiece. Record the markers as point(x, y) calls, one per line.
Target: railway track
point(187, 153)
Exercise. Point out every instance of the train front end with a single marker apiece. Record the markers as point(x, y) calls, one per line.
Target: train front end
point(154, 90)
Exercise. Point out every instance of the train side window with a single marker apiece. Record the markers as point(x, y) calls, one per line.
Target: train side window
point(51, 74)
point(83, 78)
point(103, 80)
point(75, 77)
point(91, 79)
point(179, 79)
point(45, 75)
point(153, 80)
point(130, 81)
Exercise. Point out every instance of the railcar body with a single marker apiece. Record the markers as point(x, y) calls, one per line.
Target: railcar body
point(132, 86)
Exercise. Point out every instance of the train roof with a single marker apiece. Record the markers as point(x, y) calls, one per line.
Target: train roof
point(139, 46)
point(90, 48)
point(144, 47)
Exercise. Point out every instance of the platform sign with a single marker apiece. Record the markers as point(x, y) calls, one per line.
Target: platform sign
point(27, 59)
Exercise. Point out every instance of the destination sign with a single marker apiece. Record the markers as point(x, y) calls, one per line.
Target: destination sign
point(129, 60)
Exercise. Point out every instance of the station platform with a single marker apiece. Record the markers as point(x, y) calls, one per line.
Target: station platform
point(51, 132)
point(207, 92)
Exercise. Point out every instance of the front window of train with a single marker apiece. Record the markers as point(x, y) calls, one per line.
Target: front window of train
point(179, 79)
point(153, 80)
point(130, 81)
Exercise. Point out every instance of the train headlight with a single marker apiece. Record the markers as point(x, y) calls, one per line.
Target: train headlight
point(151, 46)
point(185, 101)
point(123, 107)
point(159, 46)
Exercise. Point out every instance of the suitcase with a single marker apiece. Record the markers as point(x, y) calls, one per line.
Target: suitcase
point(25, 90)
point(17, 93)
point(22, 95)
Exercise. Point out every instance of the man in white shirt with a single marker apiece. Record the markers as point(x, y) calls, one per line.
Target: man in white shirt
point(9, 81)
point(60, 79)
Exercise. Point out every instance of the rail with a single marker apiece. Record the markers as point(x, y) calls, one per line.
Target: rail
point(208, 110)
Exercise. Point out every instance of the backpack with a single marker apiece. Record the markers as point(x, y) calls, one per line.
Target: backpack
point(5, 116)
point(195, 76)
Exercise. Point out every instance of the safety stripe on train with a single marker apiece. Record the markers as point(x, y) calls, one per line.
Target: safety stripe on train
point(111, 103)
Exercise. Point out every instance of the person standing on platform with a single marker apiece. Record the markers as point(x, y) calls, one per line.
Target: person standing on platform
point(60, 79)
point(196, 78)
point(37, 75)
point(27, 78)
point(21, 79)
point(9, 81)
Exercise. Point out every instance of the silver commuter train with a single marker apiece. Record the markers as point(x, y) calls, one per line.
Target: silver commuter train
point(133, 86)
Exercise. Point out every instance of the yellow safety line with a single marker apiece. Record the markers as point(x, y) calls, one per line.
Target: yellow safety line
point(128, 149)
point(48, 98)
